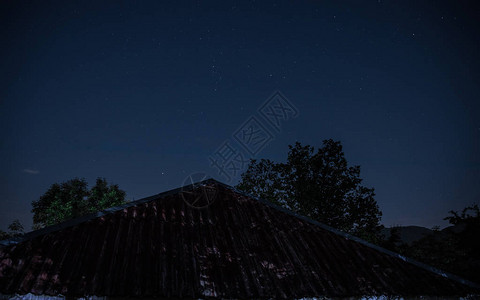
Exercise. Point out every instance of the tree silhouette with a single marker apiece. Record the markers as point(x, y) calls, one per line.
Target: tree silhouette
point(469, 220)
point(15, 229)
point(454, 249)
point(71, 199)
point(319, 185)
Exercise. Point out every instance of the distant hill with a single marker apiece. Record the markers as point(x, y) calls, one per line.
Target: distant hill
point(453, 249)
point(410, 234)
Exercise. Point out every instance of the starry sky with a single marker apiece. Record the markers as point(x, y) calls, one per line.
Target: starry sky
point(145, 94)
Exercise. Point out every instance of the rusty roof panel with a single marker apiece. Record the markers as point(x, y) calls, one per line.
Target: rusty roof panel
point(237, 247)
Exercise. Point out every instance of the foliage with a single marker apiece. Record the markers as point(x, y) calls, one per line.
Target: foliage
point(103, 196)
point(71, 199)
point(436, 249)
point(454, 249)
point(468, 241)
point(319, 185)
point(469, 237)
point(394, 240)
point(15, 229)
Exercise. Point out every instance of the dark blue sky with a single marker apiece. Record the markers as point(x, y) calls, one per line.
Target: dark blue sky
point(143, 94)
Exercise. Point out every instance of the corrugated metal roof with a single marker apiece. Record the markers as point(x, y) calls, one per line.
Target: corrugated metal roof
point(237, 247)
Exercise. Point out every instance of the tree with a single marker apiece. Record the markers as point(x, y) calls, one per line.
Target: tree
point(454, 249)
point(393, 241)
point(439, 249)
point(469, 220)
point(103, 196)
point(72, 199)
point(319, 185)
point(468, 224)
point(15, 229)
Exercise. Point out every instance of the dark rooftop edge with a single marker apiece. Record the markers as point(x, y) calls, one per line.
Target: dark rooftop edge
point(76, 221)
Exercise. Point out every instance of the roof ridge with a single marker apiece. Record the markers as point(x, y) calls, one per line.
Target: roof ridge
point(101, 213)
point(359, 240)
point(73, 222)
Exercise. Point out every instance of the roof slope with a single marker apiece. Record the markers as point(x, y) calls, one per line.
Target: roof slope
point(237, 247)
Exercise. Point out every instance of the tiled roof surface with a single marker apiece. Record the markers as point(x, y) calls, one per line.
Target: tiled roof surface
point(237, 247)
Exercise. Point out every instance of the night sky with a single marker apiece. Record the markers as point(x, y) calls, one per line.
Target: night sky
point(145, 94)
